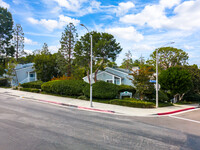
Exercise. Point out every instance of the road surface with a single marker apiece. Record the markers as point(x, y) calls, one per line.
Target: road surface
point(30, 125)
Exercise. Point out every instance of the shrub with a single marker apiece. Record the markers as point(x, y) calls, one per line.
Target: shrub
point(34, 84)
point(133, 103)
point(30, 90)
point(163, 96)
point(61, 78)
point(128, 88)
point(191, 97)
point(102, 90)
point(64, 87)
point(3, 82)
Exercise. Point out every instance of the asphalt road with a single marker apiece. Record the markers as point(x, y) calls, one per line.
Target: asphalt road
point(29, 125)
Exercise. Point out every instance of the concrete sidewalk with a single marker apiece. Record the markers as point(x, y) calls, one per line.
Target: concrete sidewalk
point(82, 104)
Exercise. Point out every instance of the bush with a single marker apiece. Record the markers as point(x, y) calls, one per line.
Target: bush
point(133, 103)
point(30, 90)
point(64, 87)
point(102, 90)
point(3, 82)
point(162, 96)
point(128, 88)
point(191, 97)
point(34, 84)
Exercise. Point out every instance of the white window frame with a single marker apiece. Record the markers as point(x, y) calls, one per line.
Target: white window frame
point(109, 80)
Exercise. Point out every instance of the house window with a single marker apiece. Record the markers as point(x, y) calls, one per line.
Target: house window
point(110, 81)
point(117, 81)
point(32, 75)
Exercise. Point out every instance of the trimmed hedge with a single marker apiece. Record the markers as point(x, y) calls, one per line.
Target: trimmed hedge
point(102, 90)
point(34, 84)
point(3, 82)
point(64, 87)
point(128, 88)
point(192, 97)
point(30, 90)
point(133, 103)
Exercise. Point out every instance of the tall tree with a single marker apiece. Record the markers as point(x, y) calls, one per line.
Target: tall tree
point(45, 65)
point(68, 42)
point(176, 80)
point(169, 57)
point(62, 64)
point(105, 48)
point(18, 39)
point(141, 80)
point(6, 30)
point(128, 61)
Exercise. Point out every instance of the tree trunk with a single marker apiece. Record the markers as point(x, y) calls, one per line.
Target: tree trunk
point(95, 75)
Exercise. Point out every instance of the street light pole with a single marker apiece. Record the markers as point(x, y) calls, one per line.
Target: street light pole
point(157, 72)
point(157, 78)
point(90, 65)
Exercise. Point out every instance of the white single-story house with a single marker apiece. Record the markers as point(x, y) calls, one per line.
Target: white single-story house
point(24, 73)
point(114, 75)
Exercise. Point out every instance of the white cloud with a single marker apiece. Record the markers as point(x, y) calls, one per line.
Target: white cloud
point(28, 51)
point(54, 24)
point(4, 4)
point(186, 15)
point(152, 15)
point(54, 48)
point(16, 2)
point(29, 42)
point(169, 3)
point(72, 5)
point(127, 33)
point(188, 47)
point(123, 8)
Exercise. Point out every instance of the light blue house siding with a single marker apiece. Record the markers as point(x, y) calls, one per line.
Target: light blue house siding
point(113, 75)
point(24, 73)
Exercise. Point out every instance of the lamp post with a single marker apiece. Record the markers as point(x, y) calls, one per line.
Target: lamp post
point(90, 66)
point(157, 71)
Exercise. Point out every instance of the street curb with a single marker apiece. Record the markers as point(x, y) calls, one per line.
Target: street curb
point(176, 111)
point(78, 107)
point(68, 105)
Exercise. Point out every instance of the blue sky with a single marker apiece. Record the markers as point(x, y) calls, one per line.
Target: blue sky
point(138, 25)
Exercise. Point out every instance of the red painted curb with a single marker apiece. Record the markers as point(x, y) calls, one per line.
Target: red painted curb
point(176, 111)
point(50, 102)
point(79, 107)
point(107, 111)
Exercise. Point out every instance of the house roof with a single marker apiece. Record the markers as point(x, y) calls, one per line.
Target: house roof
point(22, 66)
point(113, 74)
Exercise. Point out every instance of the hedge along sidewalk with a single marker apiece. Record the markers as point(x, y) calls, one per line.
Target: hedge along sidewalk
point(120, 110)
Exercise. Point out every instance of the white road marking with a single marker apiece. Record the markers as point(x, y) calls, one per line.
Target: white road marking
point(185, 119)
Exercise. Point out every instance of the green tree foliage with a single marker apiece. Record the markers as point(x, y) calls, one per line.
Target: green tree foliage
point(62, 63)
point(18, 41)
point(45, 65)
point(141, 80)
point(128, 61)
point(68, 42)
point(105, 48)
point(176, 80)
point(168, 57)
point(2, 70)
point(28, 59)
point(11, 72)
point(6, 30)
point(195, 76)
